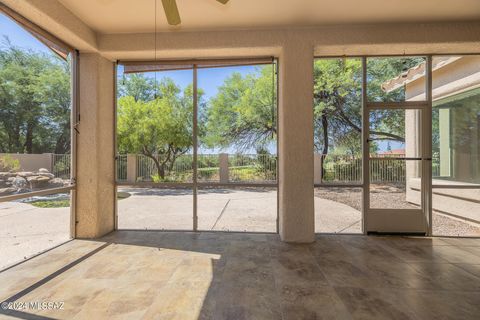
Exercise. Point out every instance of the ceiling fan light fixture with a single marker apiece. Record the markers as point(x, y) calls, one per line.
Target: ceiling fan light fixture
point(223, 1)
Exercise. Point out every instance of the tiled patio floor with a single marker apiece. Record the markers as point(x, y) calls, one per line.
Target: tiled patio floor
point(167, 275)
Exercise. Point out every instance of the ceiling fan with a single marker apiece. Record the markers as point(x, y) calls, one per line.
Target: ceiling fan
point(171, 11)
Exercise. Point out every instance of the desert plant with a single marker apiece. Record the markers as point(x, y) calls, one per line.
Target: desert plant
point(7, 163)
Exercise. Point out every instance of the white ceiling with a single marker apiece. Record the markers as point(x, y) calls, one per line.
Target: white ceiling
point(132, 16)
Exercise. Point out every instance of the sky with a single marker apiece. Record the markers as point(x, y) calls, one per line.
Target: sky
point(19, 37)
point(208, 79)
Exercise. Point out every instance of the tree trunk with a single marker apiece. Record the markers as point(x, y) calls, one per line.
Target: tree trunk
point(325, 144)
point(29, 138)
point(160, 168)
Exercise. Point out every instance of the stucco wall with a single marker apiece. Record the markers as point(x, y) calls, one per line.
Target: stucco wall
point(32, 162)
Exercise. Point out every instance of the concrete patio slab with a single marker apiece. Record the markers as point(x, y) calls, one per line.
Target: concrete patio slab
point(27, 230)
point(253, 210)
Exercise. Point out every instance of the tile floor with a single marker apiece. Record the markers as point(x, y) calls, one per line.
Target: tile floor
point(167, 275)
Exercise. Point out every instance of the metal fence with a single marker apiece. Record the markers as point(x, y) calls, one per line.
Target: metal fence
point(260, 168)
point(208, 167)
point(341, 168)
point(61, 166)
point(251, 168)
point(387, 170)
point(121, 167)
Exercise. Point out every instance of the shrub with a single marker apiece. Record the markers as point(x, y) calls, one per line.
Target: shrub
point(7, 163)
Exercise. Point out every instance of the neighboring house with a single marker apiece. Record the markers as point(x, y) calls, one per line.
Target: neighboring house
point(455, 128)
point(391, 153)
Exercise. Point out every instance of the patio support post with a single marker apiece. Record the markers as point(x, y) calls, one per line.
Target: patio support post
point(95, 156)
point(317, 168)
point(131, 168)
point(296, 207)
point(223, 164)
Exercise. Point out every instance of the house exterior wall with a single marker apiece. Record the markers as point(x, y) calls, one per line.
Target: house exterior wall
point(454, 78)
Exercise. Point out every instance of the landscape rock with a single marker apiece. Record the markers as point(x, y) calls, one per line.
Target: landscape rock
point(19, 183)
point(46, 174)
point(6, 175)
point(38, 182)
point(25, 174)
point(7, 191)
point(26, 181)
point(56, 183)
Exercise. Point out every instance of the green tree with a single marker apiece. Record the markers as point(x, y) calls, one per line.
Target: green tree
point(138, 86)
point(160, 129)
point(243, 113)
point(338, 103)
point(34, 101)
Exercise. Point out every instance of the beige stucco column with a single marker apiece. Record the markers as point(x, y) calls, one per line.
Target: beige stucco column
point(95, 153)
point(296, 205)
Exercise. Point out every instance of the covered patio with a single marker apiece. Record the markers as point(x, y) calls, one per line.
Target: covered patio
point(241, 159)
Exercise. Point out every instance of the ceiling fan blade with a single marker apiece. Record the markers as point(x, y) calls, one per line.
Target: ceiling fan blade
point(171, 11)
point(223, 1)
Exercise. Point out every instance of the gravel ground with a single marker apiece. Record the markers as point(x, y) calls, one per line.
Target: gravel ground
point(443, 225)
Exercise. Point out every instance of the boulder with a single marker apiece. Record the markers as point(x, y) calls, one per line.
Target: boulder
point(6, 175)
point(38, 182)
point(46, 174)
point(19, 183)
point(7, 191)
point(56, 183)
point(43, 170)
point(25, 174)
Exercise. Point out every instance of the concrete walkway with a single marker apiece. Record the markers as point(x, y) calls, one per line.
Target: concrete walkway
point(26, 230)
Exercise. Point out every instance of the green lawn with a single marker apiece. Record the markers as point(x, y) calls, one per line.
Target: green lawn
point(51, 203)
point(65, 203)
